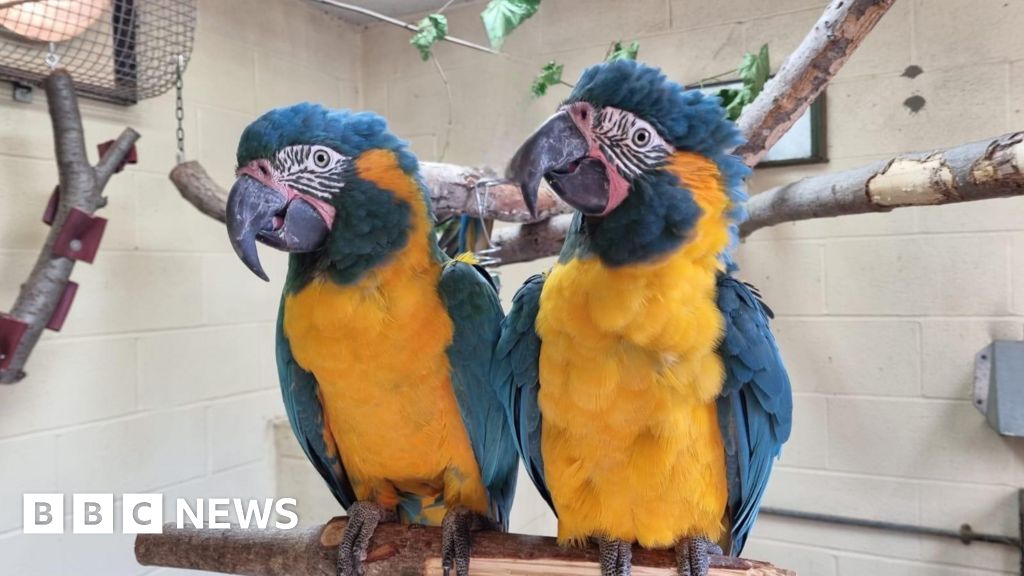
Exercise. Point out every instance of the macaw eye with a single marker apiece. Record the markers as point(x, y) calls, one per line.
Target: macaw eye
point(321, 158)
point(641, 137)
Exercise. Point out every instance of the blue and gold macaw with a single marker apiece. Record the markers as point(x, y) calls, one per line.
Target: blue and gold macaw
point(383, 343)
point(645, 388)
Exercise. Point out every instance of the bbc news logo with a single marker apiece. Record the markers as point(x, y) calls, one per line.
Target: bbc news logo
point(144, 513)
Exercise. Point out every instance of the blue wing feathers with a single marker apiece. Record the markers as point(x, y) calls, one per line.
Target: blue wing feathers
point(476, 314)
point(305, 414)
point(756, 404)
point(516, 371)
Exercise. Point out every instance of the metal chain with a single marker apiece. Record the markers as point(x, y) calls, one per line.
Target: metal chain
point(488, 257)
point(179, 108)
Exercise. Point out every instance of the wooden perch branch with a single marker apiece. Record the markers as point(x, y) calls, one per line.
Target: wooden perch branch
point(454, 190)
point(802, 77)
point(977, 171)
point(805, 73)
point(981, 170)
point(195, 185)
point(81, 187)
point(395, 550)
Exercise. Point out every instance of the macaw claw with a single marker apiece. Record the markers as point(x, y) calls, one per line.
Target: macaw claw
point(456, 541)
point(363, 518)
point(693, 556)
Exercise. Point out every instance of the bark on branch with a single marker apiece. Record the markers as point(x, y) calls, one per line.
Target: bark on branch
point(454, 191)
point(81, 187)
point(802, 77)
point(981, 170)
point(395, 549)
point(805, 73)
point(977, 171)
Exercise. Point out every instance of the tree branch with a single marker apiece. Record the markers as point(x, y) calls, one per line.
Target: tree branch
point(805, 73)
point(532, 241)
point(454, 191)
point(802, 77)
point(395, 549)
point(978, 171)
point(981, 170)
point(81, 188)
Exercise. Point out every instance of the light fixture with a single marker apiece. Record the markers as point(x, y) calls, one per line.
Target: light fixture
point(51, 20)
point(116, 50)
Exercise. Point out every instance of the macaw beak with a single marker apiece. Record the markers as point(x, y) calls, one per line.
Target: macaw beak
point(559, 152)
point(256, 211)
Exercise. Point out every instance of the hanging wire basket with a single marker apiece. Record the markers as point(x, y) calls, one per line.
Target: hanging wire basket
point(117, 50)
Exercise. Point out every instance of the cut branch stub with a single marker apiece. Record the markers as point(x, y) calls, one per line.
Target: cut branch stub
point(78, 196)
point(395, 549)
point(977, 171)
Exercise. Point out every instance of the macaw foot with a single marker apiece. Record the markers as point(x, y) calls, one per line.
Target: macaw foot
point(616, 557)
point(363, 518)
point(456, 540)
point(692, 556)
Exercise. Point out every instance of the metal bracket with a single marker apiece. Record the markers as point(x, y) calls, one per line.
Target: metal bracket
point(79, 238)
point(11, 331)
point(999, 386)
point(22, 92)
point(982, 375)
point(60, 313)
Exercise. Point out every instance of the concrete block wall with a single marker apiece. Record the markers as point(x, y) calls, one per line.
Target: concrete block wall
point(162, 379)
point(879, 316)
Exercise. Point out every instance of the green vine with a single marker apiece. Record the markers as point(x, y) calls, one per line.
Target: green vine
point(501, 17)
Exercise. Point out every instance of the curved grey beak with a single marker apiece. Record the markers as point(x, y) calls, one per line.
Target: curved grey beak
point(256, 211)
point(557, 145)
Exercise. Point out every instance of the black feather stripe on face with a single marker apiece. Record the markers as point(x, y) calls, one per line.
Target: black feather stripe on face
point(631, 144)
point(296, 167)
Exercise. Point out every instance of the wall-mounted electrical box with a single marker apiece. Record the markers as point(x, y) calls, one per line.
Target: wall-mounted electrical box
point(999, 386)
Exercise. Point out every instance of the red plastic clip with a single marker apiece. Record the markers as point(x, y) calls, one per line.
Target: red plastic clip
point(51, 207)
point(11, 331)
point(131, 157)
point(79, 239)
point(60, 313)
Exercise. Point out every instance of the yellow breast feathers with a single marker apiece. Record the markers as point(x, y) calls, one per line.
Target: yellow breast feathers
point(378, 350)
point(629, 376)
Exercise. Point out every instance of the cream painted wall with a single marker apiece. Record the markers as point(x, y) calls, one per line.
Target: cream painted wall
point(162, 379)
point(878, 316)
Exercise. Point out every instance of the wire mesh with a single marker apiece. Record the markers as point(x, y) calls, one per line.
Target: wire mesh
point(116, 50)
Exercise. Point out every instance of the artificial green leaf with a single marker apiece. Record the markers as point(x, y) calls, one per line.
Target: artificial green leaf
point(733, 100)
point(618, 52)
point(501, 17)
point(754, 70)
point(550, 75)
point(429, 31)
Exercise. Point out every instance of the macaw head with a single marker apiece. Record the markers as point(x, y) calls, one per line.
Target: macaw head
point(311, 181)
point(629, 150)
